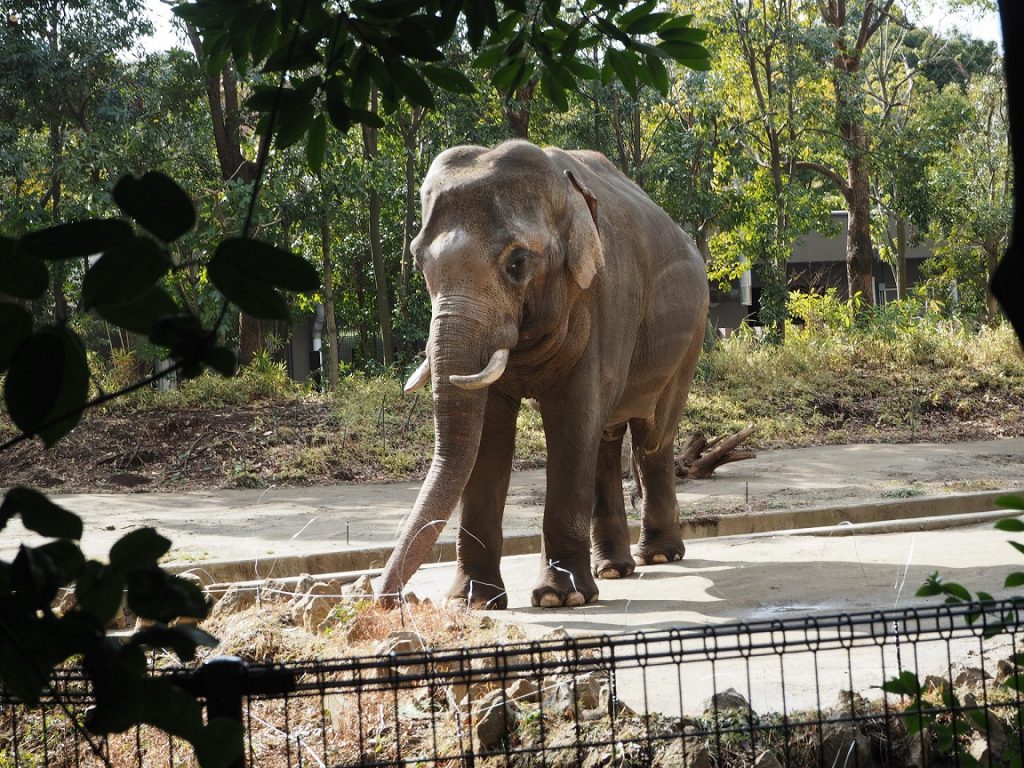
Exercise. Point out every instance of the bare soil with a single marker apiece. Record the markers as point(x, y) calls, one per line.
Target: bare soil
point(303, 441)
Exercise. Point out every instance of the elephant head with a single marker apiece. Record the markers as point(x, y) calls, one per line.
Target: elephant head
point(509, 241)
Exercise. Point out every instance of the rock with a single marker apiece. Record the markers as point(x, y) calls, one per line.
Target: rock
point(767, 759)
point(302, 587)
point(727, 700)
point(934, 683)
point(844, 744)
point(464, 694)
point(524, 690)
point(316, 611)
point(558, 696)
point(700, 758)
point(918, 752)
point(1005, 669)
point(276, 591)
point(558, 633)
point(331, 590)
point(235, 600)
point(991, 736)
point(495, 719)
point(399, 641)
point(486, 622)
point(360, 588)
point(410, 598)
point(589, 689)
point(968, 677)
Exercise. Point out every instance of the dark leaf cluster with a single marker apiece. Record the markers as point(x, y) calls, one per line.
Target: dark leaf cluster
point(399, 48)
point(46, 390)
point(34, 638)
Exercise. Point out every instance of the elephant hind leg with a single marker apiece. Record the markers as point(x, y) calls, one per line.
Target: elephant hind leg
point(609, 533)
point(655, 470)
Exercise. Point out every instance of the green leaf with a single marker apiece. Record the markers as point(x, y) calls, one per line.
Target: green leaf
point(316, 143)
point(295, 123)
point(48, 378)
point(1010, 502)
point(15, 327)
point(140, 315)
point(1016, 545)
point(956, 591)
point(264, 36)
point(682, 34)
point(647, 24)
point(116, 672)
point(449, 79)
point(222, 360)
point(35, 578)
point(680, 50)
point(124, 273)
point(554, 92)
point(75, 240)
point(253, 298)
point(171, 709)
point(1011, 525)
point(154, 594)
point(581, 69)
point(634, 15)
point(21, 275)
point(489, 57)
point(66, 556)
point(157, 203)
point(410, 83)
point(904, 685)
point(624, 63)
point(182, 639)
point(40, 515)
point(99, 591)
point(659, 75)
point(268, 264)
point(141, 548)
point(1015, 579)
point(21, 678)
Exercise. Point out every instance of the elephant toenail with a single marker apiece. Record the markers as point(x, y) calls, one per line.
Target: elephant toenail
point(640, 560)
point(677, 557)
point(609, 573)
point(550, 600)
point(659, 559)
point(575, 600)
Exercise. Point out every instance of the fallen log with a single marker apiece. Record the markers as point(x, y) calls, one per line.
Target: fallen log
point(700, 457)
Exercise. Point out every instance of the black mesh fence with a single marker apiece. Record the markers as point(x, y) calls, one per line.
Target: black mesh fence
point(917, 687)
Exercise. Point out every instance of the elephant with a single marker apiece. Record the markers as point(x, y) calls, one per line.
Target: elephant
point(552, 277)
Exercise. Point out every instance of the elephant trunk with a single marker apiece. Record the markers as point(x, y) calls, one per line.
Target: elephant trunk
point(454, 350)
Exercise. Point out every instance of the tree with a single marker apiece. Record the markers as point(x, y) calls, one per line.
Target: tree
point(851, 27)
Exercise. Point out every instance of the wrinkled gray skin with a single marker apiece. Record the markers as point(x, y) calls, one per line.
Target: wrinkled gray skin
point(601, 300)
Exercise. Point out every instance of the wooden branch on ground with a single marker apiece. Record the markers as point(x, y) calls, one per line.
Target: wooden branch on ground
point(700, 457)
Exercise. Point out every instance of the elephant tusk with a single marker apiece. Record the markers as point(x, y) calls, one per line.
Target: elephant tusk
point(419, 378)
point(487, 376)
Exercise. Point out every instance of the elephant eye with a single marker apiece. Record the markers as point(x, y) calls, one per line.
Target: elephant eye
point(515, 266)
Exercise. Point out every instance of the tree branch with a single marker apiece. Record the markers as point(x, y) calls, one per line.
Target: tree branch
point(836, 178)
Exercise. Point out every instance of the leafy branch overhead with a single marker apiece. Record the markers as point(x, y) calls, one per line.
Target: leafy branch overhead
point(46, 387)
point(337, 55)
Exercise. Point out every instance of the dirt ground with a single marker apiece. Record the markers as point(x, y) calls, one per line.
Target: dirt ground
point(303, 442)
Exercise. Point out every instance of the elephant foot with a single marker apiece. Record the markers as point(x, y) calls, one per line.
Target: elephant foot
point(656, 550)
point(612, 566)
point(565, 587)
point(479, 594)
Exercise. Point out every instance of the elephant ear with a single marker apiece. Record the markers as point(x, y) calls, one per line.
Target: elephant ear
point(586, 255)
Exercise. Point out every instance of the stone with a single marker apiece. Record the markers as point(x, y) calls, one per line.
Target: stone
point(399, 641)
point(325, 589)
point(524, 690)
point(934, 683)
point(495, 719)
point(918, 752)
point(1005, 669)
point(411, 598)
point(235, 600)
point(844, 744)
point(968, 677)
point(558, 696)
point(729, 699)
point(360, 588)
point(558, 633)
point(589, 688)
point(316, 611)
point(767, 759)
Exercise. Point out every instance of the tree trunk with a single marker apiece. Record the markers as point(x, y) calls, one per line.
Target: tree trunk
point(517, 111)
point(331, 323)
point(860, 262)
point(410, 137)
point(901, 257)
point(380, 276)
point(60, 301)
point(222, 95)
point(991, 264)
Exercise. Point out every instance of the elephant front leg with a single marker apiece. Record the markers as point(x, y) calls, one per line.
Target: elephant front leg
point(609, 533)
point(478, 581)
point(566, 578)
